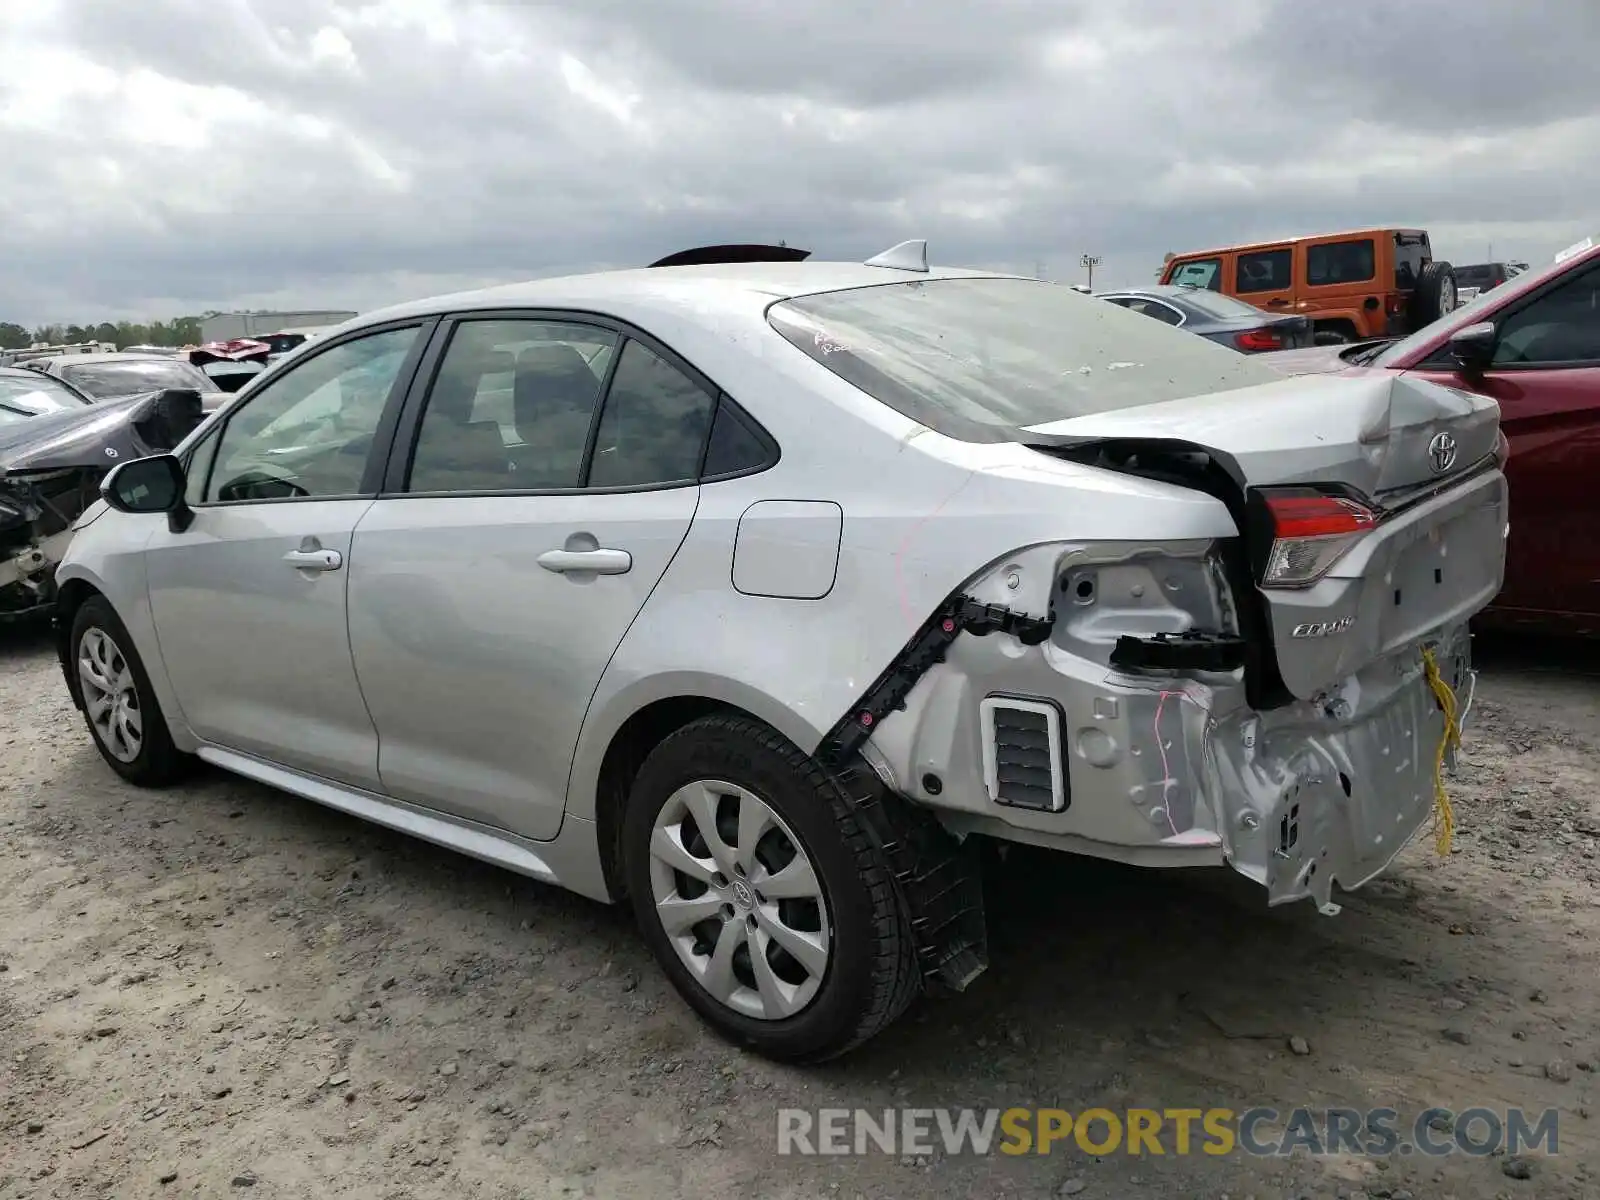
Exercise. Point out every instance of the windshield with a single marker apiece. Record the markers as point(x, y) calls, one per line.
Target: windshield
point(1526, 281)
point(1481, 276)
point(132, 376)
point(977, 358)
point(23, 398)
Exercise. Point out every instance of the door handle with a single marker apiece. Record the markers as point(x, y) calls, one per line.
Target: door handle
point(1277, 303)
point(597, 562)
point(314, 560)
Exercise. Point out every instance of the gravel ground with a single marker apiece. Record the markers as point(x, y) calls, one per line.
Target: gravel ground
point(222, 990)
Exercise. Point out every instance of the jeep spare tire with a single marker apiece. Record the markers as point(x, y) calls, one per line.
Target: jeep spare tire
point(1435, 294)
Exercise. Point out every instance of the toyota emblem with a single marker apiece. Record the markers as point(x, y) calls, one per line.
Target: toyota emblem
point(1442, 453)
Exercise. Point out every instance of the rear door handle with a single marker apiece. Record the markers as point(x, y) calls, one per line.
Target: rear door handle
point(1279, 303)
point(314, 560)
point(597, 562)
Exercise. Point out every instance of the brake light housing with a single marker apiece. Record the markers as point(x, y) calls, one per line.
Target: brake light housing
point(1256, 340)
point(1311, 531)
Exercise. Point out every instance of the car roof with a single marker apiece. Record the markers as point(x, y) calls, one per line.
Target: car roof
point(1375, 231)
point(118, 356)
point(746, 289)
point(1160, 291)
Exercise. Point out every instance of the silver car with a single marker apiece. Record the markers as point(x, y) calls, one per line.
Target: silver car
point(750, 593)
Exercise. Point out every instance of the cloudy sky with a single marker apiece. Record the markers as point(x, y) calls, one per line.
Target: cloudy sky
point(160, 157)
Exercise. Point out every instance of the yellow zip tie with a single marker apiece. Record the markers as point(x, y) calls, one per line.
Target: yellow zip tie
point(1444, 815)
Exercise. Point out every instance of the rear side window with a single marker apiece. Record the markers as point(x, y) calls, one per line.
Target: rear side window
point(1263, 271)
point(1411, 253)
point(1199, 273)
point(653, 425)
point(510, 408)
point(979, 359)
point(1151, 308)
point(1340, 262)
point(735, 448)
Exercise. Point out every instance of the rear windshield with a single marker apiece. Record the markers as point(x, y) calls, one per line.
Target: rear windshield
point(977, 358)
point(20, 398)
point(127, 378)
point(1215, 304)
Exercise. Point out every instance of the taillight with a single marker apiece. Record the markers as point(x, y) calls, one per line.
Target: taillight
point(1502, 450)
point(1310, 532)
point(1258, 339)
point(1395, 306)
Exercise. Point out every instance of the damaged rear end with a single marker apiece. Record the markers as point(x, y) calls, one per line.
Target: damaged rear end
point(1262, 699)
point(50, 473)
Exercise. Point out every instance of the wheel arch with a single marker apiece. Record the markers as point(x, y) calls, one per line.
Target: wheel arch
point(1339, 322)
point(70, 597)
point(611, 749)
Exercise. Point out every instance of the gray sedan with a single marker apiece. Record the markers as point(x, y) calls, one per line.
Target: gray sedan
point(1216, 317)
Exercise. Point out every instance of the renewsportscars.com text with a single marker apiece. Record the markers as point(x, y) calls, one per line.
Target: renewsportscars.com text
point(1377, 1132)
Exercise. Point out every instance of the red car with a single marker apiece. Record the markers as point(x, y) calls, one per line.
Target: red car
point(1533, 344)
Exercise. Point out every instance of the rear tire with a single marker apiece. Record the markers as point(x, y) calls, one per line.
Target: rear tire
point(119, 705)
point(739, 893)
point(1435, 295)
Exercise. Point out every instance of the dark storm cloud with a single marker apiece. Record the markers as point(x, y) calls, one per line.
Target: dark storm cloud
point(185, 154)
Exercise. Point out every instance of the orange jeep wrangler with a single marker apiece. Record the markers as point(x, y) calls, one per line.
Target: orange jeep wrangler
point(1369, 283)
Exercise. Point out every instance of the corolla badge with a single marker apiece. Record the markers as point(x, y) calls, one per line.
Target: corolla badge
point(1313, 629)
point(1442, 453)
point(110, 452)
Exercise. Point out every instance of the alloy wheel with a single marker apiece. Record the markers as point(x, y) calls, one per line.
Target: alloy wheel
point(110, 696)
point(739, 899)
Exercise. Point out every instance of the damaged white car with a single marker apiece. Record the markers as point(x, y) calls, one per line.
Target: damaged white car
point(755, 593)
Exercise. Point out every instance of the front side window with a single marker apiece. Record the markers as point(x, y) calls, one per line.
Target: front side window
point(1200, 273)
point(308, 433)
point(1263, 271)
point(511, 407)
point(1562, 326)
point(978, 359)
point(1340, 262)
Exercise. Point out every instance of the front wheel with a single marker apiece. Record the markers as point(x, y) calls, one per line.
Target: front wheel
point(762, 895)
point(119, 704)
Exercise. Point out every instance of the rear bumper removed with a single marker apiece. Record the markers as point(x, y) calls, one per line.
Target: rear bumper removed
point(1164, 768)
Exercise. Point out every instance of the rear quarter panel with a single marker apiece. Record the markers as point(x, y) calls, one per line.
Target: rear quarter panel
point(1358, 301)
point(922, 514)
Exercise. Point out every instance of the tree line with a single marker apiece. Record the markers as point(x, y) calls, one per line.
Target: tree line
point(182, 331)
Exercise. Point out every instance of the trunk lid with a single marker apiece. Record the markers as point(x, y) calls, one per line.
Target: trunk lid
point(1296, 332)
point(1420, 453)
point(1367, 430)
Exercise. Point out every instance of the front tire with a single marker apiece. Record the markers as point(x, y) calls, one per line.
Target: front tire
point(119, 704)
point(762, 895)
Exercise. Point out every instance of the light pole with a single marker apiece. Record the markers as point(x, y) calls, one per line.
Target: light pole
point(1090, 262)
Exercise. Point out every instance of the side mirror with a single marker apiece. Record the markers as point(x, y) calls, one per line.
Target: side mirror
point(149, 485)
point(1472, 346)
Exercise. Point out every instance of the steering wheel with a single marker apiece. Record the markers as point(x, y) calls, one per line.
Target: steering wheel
point(259, 484)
